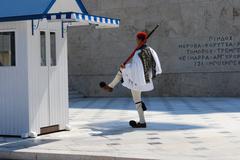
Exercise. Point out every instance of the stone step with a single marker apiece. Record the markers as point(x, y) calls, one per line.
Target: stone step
point(54, 156)
point(73, 94)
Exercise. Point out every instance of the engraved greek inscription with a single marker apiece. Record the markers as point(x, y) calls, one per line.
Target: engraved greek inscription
point(215, 51)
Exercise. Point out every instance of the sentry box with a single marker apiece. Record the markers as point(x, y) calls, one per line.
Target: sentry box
point(33, 63)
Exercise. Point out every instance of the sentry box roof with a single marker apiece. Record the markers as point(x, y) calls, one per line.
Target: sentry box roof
point(70, 11)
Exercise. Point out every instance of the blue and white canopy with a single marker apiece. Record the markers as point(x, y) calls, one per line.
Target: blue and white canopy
point(84, 19)
point(72, 11)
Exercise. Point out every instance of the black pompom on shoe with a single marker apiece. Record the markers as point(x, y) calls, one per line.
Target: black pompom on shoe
point(132, 123)
point(104, 86)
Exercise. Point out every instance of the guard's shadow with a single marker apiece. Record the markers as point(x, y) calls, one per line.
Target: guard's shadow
point(121, 127)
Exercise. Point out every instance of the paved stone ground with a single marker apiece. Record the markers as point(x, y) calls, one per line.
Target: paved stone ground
point(178, 128)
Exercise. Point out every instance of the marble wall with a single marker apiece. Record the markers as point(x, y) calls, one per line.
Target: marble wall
point(198, 43)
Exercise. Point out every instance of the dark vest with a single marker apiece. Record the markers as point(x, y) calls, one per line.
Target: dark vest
point(149, 64)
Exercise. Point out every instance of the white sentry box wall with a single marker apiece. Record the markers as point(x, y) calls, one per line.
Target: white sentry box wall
point(34, 96)
point(14, 85)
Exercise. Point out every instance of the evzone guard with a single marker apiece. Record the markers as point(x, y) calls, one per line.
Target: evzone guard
point(136, 74)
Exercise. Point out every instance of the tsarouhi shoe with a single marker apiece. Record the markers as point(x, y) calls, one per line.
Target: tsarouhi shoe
point(104, 86)
point(134, 124)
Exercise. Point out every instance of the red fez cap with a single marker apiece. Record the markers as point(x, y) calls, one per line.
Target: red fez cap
point(142, 36)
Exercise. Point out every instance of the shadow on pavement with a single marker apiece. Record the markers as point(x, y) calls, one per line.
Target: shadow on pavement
point(13, 144)
point(121, 127)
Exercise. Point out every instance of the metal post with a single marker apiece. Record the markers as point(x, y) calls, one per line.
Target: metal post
point(62, 30)
point(32, 27)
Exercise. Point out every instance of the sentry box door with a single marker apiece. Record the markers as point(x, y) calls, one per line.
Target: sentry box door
point(49, 65)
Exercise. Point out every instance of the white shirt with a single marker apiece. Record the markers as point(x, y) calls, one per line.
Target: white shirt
point(133, 74)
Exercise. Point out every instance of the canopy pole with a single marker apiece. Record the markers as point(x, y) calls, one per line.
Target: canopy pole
point(32, 27)
point(62, 29)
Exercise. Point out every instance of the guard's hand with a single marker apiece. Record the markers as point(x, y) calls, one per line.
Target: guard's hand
point(122, 66)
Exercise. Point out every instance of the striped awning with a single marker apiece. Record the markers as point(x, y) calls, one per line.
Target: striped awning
point(77, 19)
